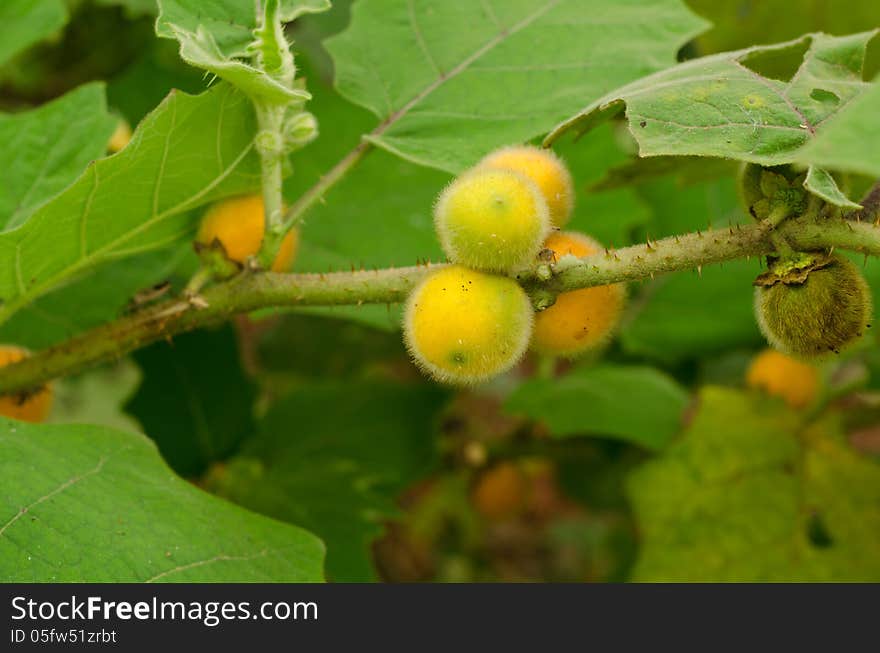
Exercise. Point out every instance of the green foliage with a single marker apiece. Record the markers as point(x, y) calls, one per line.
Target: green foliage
point(720, 106)
point(195, 400)
point(24, 22)
point(97, 397)
point(452, 81)
point(104, 507)
point(331, 457)
point(188, 152)
point(47, 148)
point(599, 401)
point(844, 144)
point(750, 493)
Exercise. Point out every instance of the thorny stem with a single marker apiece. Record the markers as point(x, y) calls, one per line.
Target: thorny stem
point(254, 290)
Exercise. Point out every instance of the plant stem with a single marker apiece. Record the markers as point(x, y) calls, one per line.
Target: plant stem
point(251, 291)
point(270, 142)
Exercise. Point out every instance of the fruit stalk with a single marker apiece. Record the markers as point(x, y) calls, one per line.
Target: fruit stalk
point(251, 291)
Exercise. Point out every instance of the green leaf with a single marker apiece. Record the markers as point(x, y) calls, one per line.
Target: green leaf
point(215, 37)
point(229, 22)
point(332, 458)
point(750, 494)
point(720, 106)
point(195, 399)
point(599, 401)
point(199, 49)
point(45, 149)
point(450, 81)
point(25, 22)
point(133, 8)
point(190, 151)
point(99, 295)
point(91, 504)
point(820, 182)
point(849, 141)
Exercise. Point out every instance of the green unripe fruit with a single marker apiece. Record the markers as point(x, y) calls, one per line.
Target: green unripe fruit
point(813, 306)
point(490, 219)
point(462, 326)
point(778, 191)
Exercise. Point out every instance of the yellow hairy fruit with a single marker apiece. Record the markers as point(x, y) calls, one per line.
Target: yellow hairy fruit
point(238, 225)
point(463, 326)
point(785, 377)
point(580, 319)
point(492, 220)
point(120, 137)
point(29, 407)
point(544, 168)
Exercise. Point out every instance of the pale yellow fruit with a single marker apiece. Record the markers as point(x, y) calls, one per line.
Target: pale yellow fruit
point(783, 376)
point(463, 326)
point(30, 407)
point(544, 168)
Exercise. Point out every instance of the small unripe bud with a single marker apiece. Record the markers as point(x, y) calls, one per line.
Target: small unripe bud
point(238, 225)
point(32, 406)
point(579, 320)
point(778, 191)
point(463, 326)
point(300, 130)
point(544, 168)
point(491, 220)
point(796, 382)
point(812, 307)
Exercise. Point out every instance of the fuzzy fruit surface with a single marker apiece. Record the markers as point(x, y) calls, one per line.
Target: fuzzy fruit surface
point(824, 314)
point(238, 224)
point(492, 220)
point(463, 326)
point(33, 407)
point(544, 168)
point(580, 319)
point(778, 375)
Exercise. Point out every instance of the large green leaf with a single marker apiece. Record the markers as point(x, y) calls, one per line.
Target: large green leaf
point(720, 106)
point(599, 401)
point(44, 150)
point(91, 504)
point(850, 141)
point(191, 150)
point(332, 457)
point(449, 81)
point(24, 22)
point(751, 494)
point(195, 400)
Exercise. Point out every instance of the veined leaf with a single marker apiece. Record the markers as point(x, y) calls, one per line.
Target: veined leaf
point(24, 22)
point(749, 493)
point(190, 151)
point(69, 489)
point(850, 142)
point(599, 401)
point(452, 80)
point(45, 149)
point(718, 106)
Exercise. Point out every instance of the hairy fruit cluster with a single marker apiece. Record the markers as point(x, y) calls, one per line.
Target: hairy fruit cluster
point(778, 375)
point(580, 320)
point(238, 225)
point(812, 306)
point(33, 406)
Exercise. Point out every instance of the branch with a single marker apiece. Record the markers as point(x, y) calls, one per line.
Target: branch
point(255, 290)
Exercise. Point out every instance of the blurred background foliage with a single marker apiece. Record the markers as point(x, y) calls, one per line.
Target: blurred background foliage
point(652, 461)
